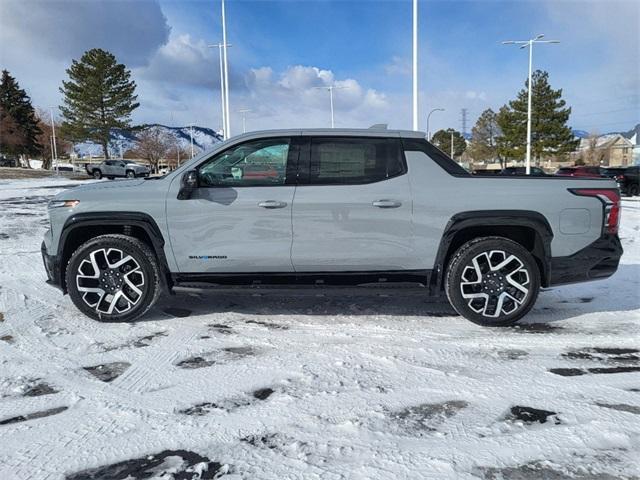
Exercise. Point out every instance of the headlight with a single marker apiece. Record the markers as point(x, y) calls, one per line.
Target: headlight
point(63, 203)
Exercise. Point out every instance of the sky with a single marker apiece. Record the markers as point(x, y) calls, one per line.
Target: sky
point(282, 50)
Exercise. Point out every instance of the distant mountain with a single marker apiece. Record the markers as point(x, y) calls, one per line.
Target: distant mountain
point(203, 139)
point(635, 130)
point(580, 133)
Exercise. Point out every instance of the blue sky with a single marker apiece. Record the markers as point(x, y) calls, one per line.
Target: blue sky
point(283, 49)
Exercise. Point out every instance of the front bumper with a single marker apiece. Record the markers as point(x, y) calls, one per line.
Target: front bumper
point(52, 267)
point(596, 261)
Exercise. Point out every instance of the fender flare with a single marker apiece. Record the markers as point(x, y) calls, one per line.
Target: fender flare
point(494, 218)
point(114, 218)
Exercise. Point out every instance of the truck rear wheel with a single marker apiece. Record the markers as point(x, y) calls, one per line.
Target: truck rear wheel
point(492, 281)
point(113, 278)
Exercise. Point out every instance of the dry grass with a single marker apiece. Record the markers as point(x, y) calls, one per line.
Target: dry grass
point(20, 173)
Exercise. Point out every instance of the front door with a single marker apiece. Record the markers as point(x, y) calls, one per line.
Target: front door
point(352, 208)
point(239, 218)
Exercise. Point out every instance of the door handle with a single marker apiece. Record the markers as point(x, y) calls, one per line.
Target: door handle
point(386, 203)
point(272, 204)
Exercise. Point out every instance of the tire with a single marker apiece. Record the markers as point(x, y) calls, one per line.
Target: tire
point(131, 174)
point(476, 285)
point(634, 190)
point(107, 287)
point(97, 174)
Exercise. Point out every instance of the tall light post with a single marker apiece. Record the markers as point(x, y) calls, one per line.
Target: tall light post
point(452, 144)
point(415, 64)
point(53, 133)
point(331, 88)
point(428, 117)
point(191, 138)
point(244, 112)
point(227, 126)
point(222, 89)
point(524, 44)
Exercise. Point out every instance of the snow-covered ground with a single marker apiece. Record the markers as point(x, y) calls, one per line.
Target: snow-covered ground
point(328, 388)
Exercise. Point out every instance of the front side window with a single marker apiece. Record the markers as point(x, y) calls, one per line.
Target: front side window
point(344, 161)
point(255, 163)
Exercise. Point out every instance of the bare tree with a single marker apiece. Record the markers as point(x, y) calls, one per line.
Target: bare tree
point(153, 145)
point(590, 156)
point(46, 137)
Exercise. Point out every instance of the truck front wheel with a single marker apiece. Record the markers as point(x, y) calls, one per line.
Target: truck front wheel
point(97, 174)
point(492, 281)
point(113, 278)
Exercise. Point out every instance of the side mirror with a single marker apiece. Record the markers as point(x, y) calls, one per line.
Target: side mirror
point(188, 184)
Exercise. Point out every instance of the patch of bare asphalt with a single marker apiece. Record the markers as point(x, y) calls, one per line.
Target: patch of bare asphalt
point(622, 407)
point(618, 360)
point(512, 354)
point(427, 416)
point(140, 342)
point(108, 372)
point(230, 404)
point(540, 471)
point(604, 354)
point(7, 338)
point(573, 372)
point(269, 325)
point(530, 415)
point(169, 464)
point(217, 357)
point(221, 328)
point(32, 416)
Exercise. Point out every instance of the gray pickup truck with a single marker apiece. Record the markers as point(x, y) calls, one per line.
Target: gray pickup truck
point(117, 168)
point(356, 210)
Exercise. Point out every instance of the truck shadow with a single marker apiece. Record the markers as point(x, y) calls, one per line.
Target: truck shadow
point(553, 305)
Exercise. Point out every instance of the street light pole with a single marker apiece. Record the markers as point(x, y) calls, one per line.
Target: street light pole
point(227, 127)
point(244, 118)
point(191, 138)
point(55, 147)
point(222, 93)
point(428, 117)
point(452, 144)
point(415, 64)
point(331, 88)
point(524, 44)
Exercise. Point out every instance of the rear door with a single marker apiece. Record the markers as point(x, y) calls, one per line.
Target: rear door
point(239, 218)
point(352, 209)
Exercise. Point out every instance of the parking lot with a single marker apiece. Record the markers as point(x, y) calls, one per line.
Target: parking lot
point(251, 386)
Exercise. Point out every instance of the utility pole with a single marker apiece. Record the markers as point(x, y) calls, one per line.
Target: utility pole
point(525, 44)
point(415, 65)
point(463, 119)
point(222, 89)
point(428, 117)
point(55, 147)
point(244, 118)
point(331, 88)
point(227, 126)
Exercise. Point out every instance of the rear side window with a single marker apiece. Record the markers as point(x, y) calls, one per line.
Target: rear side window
point(348, 160)
point(437, 155)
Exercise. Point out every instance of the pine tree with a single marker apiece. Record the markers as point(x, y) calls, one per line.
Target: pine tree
point(484, 137)
point(98, 97)
point(442, 140)
point(550, 134)
point(18, 123)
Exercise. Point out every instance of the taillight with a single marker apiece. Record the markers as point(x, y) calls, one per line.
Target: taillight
point(610, 198)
